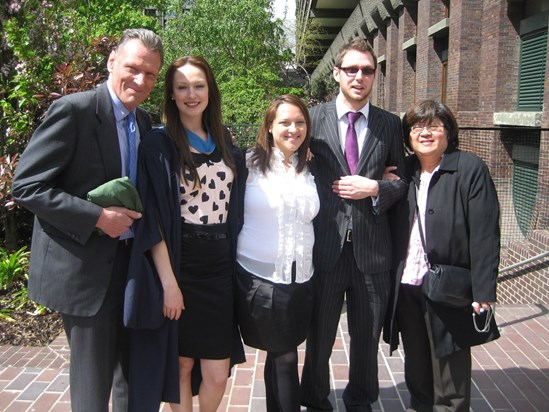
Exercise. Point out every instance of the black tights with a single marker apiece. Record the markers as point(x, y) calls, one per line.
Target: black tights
point(282, 382)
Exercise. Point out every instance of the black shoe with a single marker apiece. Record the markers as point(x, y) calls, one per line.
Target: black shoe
point(325, 406)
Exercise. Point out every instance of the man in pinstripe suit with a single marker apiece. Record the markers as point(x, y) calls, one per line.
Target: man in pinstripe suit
point(352, 253)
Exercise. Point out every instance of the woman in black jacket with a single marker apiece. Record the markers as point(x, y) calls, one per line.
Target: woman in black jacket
point(455, 198)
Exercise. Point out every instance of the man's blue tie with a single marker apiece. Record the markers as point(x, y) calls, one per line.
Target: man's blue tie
point(131, 134)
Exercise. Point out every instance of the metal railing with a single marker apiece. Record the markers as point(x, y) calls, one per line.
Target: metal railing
point(244, 133)
point(523, 262)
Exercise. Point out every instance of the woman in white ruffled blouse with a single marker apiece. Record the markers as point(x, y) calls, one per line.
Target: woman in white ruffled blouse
point(275, 245)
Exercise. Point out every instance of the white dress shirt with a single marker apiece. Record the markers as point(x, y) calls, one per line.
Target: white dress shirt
point(279, 208)
point(416, 265)
point(361, 125)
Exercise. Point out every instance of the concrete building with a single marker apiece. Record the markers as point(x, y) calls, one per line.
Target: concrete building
point(488, 61)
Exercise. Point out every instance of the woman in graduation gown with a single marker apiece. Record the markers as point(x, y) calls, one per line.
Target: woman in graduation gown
point(179, 298)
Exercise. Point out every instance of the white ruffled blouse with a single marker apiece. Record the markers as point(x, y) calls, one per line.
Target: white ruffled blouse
point(279, 208)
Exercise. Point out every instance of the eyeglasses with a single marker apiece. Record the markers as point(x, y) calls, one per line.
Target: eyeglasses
point(431, 128)
point(353, 71)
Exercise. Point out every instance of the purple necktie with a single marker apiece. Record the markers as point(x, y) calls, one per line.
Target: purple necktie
point(351, 143)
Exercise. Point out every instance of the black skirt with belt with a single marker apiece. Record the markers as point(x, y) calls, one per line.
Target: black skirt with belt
point(206, 281)
point(272, 316)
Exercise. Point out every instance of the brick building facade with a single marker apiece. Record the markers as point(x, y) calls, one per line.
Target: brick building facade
point(488, 61)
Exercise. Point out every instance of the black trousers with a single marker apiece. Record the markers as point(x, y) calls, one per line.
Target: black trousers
point(434, 384)
point(99, 349)
point(367, 298)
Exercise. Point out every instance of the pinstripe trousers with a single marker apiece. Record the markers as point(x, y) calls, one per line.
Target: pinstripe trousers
point(99, 349)
point(366, 298)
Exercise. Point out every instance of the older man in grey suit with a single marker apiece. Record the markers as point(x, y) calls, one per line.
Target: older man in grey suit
point(352, 143)
point(80, 251)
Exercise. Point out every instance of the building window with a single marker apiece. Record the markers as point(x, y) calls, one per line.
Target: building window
point(440, 32)
point(411, 58)
point(187, 5)
point(444, 85)
point(150, 12)
point(532, 64)
point(533, 54)
point(525, 178)
point(441, 48)
point(381, 85)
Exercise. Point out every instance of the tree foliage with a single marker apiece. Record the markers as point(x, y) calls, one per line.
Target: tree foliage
point(322, 89)
point(56, 47)
point(50, 48)
point(307, 34)
point(242, 42)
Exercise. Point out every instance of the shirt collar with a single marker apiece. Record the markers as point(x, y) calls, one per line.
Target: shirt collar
point(342, 110)
point(279, 156)
point(120, 111)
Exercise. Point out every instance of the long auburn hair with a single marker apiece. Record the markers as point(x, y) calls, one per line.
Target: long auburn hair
point(263, 149)
point(211, 118)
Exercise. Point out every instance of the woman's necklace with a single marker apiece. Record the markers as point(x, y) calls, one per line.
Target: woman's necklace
point(203, 146)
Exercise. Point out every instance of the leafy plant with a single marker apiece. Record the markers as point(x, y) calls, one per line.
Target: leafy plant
point(8, 207)
point(18, 109)
point(321, 89)
point(13, 266)
point(14, 294)
point(7, 169)
point(20, 299)
point(308, 33)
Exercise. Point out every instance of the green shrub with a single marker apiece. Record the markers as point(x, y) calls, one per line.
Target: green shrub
point(13, 285)
point(13, 267)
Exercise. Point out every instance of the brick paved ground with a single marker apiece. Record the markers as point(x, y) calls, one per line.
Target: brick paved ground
point(511, 374)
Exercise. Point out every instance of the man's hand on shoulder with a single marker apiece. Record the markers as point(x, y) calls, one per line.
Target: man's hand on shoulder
point(116, 220)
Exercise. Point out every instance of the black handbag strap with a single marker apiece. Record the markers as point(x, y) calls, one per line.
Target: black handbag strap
point(422, 236)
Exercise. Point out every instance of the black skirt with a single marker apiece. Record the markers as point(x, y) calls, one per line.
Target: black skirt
point(206, 281)
point(272, 316)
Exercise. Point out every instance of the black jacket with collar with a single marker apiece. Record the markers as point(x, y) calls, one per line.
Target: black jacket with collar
point(461, 229)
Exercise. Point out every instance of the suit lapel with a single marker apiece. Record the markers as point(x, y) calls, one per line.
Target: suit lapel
point(107, 134)
point(143, 122)
point(373, 136)
point(332, 135)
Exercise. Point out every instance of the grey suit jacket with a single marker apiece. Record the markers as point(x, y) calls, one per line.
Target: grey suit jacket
point(371, 236)
point(73, 151)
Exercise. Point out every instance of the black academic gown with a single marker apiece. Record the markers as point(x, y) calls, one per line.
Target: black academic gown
point(154, 367)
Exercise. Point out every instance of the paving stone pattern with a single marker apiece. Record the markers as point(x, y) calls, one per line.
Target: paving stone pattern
point(510, 374)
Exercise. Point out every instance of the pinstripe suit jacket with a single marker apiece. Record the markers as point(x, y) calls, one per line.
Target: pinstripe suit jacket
point(371, 236)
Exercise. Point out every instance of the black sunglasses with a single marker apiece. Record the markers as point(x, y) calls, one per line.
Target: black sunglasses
point(353, 71)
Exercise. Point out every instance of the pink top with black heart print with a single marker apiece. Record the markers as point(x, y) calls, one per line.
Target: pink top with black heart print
point(209, 203)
